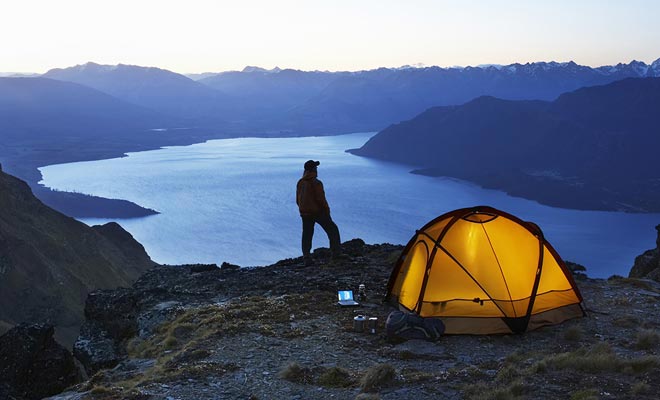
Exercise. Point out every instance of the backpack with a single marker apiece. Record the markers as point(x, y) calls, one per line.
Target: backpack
point(410, 326)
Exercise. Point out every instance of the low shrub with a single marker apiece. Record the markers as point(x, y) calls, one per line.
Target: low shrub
point(378, 377)
point(647, 339)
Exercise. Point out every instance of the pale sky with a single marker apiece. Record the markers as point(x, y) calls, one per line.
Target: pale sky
point(205, 35)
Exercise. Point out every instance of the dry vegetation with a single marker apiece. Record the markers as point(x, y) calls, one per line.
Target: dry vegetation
point(301, 344)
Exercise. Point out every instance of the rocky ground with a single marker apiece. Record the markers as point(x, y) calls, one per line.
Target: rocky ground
point(200, 332)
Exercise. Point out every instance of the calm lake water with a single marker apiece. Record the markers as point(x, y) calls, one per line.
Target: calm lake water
point(234, 200)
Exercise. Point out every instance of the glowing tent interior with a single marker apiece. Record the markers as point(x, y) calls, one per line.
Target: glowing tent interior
point(484, 271)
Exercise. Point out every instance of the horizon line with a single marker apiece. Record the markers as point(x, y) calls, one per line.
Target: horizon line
point(277, 68)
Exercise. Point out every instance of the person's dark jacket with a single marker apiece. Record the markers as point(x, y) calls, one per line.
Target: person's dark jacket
point(310, 196)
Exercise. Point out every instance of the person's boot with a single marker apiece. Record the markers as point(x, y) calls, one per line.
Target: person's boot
point(308, 260)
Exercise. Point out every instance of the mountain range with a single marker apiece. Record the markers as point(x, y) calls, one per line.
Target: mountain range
point(256, 100)
point(94, 111)
point(593, 148)
point(157, 89)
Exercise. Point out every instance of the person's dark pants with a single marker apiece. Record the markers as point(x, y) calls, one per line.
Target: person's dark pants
point(328, 226)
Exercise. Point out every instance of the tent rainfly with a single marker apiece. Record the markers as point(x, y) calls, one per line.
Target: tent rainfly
point(484, 271)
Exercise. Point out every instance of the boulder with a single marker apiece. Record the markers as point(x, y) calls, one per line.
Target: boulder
point(229, 267)
point(111, 319)
point(115, 311)
point(95, 349)
point(33, 365)
point(647, 265)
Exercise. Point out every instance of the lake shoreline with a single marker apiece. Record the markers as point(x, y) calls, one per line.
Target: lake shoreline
point(549, 192)
point(214, 194)
point(27, 165)
point(543, 191)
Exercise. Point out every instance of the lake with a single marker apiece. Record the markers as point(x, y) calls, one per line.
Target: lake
point(234, 200)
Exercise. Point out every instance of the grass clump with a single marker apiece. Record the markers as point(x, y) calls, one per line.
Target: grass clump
point(638, 283)
point(585, 394)
point(247, 314)
point(368, 396)
point(113, 393)
point(409, 376)
point(621, 301)
point(335, 377)
point(378, 377)
point(170, 343)
point(640, 365)
point(573, 334)
point(647, 339)
point(100, 390)
point(640, 388)
point(507, 374)
point(294, 372)
point(626, 322)
point(482, 391)
point(539, 367)
point(516, 357)
point(599, 358)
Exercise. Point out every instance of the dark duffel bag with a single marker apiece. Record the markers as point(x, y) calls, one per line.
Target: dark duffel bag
point(411, 326)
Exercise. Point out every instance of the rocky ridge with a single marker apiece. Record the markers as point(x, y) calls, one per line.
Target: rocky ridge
point(591, 149)
point(50, 262)
point(33, 365)
point(203, 332)
point(647, 265)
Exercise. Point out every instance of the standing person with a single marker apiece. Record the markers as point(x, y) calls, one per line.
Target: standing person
point(314, 209)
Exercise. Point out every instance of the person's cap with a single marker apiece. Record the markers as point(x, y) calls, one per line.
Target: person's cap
point(311, 164)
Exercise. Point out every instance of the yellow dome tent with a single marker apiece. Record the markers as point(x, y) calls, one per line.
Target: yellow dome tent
point(484, 271)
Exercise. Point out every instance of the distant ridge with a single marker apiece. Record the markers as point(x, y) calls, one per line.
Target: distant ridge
point(154, 88)
point(593, 148)
point(45, 121)
point(288, 100)
point(371, 100)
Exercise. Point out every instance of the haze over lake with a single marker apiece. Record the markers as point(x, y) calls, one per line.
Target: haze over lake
point(234, 200)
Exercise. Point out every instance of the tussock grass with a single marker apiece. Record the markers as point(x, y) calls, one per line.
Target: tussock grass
point(621, 301)
point(585, 394)
point(196, 371)
point(335, 377)
point(115, 393)
point(640, 388)
point(641, 365)
point(368, 396)
point(170, 343)
point(410, 376)
point(638, 283)
point(597, 359)
point(538, 367)
point(249, 314)
point(100, 390)
point(508, 373)
point(628, 321)
point(647, 339)
point(634, 282)
point(181, 345)
point(516, 357)
point(482, 391)
point(377, 377)
point(573, 334)
point(294, 372)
